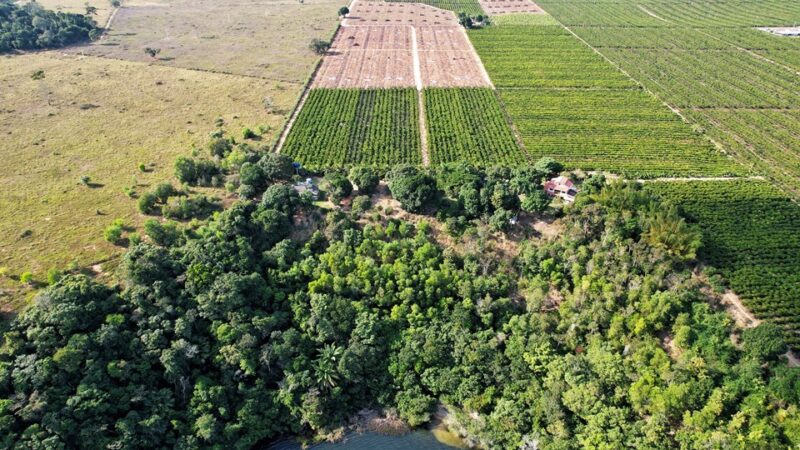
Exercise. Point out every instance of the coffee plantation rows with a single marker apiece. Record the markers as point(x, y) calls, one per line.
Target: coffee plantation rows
point(471, 7)
point(750, 235)
point(339, 127)
point(665, 13)
point(583, 111)
point(704, 79)
point(468, 125)
point(627, 132)
point(542, 56)
point(708, 59)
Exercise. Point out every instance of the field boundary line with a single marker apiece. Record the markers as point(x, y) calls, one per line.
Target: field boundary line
point(748, 51)
point(652, 14)
point(721, 148)
point(423, 129)
point(688, 179)
point(423, 125)
point(287, 127)
point(111, 19)
point(477, 59)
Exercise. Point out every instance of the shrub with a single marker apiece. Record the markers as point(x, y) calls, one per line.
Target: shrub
point(85, 180)
point(166, 234)
point(247, 133)
point(147, 203)
point(366, 178)
point(219, 147)
point(53, 275)
point(26, 278)
point(164, 191)
point(185, 208)
point(185, 170)
point(361, 204)
point(337, 185)
point(764, 342)
point(113, 232)
point(319, 46)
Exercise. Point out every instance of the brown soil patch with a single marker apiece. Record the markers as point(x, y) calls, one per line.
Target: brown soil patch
point(381, 45)
point(493, 7)
point(385, 13)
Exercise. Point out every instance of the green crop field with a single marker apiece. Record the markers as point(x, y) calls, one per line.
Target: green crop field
point(542, 57)
point(471, 7)
point(750, 235)
point(468, 125)
point(709, 61)
point(625, 131)
point(569, 103)
point(338, 127)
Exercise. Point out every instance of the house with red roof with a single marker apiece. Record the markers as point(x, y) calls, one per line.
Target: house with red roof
point(561, 187)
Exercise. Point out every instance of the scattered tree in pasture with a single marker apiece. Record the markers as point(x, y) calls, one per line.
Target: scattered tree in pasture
point(319, 46)
point(152, 52)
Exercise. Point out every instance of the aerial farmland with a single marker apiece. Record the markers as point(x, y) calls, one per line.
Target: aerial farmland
point(357, 224)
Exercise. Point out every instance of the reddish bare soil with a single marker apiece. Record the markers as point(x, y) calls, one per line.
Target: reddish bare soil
point(385, 13)
point(368, 57)
point(493, 7)
point(380, 44)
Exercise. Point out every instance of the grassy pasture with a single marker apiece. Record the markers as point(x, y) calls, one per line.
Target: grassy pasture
point(100, 118)
point(264, 38)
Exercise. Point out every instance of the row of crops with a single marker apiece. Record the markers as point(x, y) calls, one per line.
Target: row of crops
point(338, 127)
point(471, 7)
point(380, 127)
point(701, 79)
point(542, 56)
point(568, 102)
point(468, 125)
point(750, 234)
point(710, 60)
point(625, 131)
point(665, 13)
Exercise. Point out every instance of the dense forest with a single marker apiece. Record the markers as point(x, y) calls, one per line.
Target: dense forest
point(276, 317)
point(31, 27)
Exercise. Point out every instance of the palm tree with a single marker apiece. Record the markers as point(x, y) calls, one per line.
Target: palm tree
point(325, 366)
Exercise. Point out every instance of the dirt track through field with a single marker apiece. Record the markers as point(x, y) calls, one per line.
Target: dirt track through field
point(388, 45)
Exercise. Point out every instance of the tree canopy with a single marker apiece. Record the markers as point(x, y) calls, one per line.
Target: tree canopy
point(30, 27)
point(243, 329)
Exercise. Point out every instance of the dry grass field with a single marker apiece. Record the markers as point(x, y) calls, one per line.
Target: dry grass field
point(261, 38)
point(104, 8)
point(103, 109)
point(100, 118)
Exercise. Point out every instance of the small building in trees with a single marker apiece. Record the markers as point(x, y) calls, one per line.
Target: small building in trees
point(307, 186)
point(561, 187)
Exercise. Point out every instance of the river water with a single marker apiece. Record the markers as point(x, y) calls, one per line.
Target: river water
point(416, 440)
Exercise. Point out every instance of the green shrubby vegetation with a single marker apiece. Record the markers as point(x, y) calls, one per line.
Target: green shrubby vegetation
point(31, 27)
point(241, 331)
